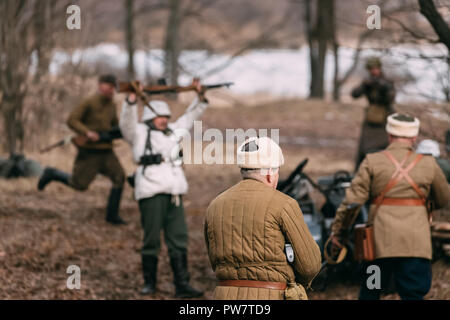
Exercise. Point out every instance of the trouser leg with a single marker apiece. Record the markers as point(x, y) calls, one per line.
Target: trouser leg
point(85, 169)
point(413, 278)
point(111, 167)
point(175, 228)
point(52, 174)
point(152, 213)
point(176, 236)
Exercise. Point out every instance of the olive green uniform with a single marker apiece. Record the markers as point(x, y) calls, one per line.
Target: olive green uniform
point(96, 113)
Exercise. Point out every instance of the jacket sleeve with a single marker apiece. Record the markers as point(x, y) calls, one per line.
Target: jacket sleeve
point(307, 256)
point(358, 91)
point(193, 112)
point(128, 121)
point(359, 192)
point(439, 188)
point(75, 118)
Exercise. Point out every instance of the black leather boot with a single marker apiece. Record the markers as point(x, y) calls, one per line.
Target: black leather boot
point(112, 210)
point(149, 269)
point(181, 277)
point(51, 174)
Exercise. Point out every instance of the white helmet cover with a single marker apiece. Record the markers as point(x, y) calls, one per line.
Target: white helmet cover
point(161, 108)
point(259, 153)
point(429, 147)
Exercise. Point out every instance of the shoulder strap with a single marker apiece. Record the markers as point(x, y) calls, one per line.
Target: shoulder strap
point(396, 177)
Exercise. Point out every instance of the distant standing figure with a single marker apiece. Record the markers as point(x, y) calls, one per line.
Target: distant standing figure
point(380, 93)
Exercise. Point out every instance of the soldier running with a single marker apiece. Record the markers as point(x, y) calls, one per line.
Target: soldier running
point(380, 93)
point(94, 115)
point(398, 183)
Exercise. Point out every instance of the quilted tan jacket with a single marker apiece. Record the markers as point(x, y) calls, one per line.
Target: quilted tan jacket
point(399, 231)
point(246, 229)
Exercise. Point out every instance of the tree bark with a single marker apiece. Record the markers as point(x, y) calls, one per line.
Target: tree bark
point(129, 33)
point(429, 11)
point(172, 43)
point(319, 34)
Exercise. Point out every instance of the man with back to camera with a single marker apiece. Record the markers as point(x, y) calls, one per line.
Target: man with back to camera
point(248, 226)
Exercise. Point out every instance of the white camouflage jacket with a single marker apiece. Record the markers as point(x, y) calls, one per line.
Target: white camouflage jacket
point(167, 177)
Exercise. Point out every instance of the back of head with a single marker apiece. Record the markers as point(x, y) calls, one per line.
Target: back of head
point(259, 153)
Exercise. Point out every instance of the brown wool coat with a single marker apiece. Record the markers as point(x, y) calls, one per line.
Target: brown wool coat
point(96, 114)
point(399, 231)
point(246, 229)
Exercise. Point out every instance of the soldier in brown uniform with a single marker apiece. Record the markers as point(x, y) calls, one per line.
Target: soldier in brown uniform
point(398, 183)
point(248, 226)
point(93, 117)
point(380, 93)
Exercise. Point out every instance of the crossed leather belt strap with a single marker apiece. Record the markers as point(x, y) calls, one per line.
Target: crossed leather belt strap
point(398, 175)
point(253, 284)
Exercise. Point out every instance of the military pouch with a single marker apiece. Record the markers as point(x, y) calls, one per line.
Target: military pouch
point(376, 114)
point(295, 291)
point(364, 243)
point(151, 159)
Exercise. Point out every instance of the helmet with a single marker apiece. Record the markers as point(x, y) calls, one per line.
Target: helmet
point(161, 108)
point(429, 147)
point(373, 62)
point(259, 153)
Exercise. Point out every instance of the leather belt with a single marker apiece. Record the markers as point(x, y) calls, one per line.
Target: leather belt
point(253, 284)
point(400, 202)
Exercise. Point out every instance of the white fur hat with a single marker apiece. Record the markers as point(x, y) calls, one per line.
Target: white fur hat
point(259, 153)
point(162, 110)
point(429, 147)
point(401, 125)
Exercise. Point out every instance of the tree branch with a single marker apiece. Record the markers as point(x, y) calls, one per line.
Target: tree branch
point(428, 9)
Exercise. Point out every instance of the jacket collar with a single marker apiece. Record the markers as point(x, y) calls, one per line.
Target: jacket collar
point(399, 145)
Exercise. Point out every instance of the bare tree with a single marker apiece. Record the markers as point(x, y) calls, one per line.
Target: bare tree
point(129, 35)
point(428, 9)
point(172, 42)
point(16, 47)
point(319, 31)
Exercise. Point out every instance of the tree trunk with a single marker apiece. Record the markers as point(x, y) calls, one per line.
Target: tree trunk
point(428, 9)
point(129, 26)
point(12, 118)
point(172, 43)
point(319, 33)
